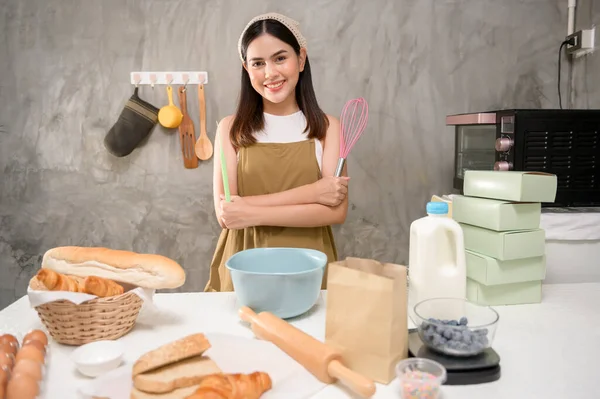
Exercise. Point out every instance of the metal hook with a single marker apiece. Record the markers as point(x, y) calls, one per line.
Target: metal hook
point(187, 79)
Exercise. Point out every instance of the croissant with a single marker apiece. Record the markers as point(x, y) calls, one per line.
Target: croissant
point(233, 386)
point(101, 287)
point(55, 281)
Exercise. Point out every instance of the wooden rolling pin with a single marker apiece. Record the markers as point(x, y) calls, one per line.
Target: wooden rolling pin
point(319, 359)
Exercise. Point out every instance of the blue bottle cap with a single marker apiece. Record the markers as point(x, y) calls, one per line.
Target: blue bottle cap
point(437, 208)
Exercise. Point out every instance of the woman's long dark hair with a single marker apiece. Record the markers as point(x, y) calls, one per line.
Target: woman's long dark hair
point(249, 114)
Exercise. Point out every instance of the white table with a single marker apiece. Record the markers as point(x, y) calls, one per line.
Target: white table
point(572, 245)
point(549, 350)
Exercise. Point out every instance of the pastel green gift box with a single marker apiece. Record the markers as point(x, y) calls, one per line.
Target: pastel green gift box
point(504, 294)
point(498, 215)
point(504, 245)
point(490, 271)
point(510, 185)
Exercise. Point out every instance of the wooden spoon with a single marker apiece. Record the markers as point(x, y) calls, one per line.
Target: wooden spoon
point(203, 148)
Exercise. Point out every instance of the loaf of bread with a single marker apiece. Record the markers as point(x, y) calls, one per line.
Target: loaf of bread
point(180, 369)
point(233, 386)
point(142, 270)
point(173, 366)
point(175, 376)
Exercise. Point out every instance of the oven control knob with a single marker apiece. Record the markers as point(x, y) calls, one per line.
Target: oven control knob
point(502, 165)
point(503, 144)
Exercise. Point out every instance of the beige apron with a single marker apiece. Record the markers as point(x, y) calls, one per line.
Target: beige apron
point(266, 168)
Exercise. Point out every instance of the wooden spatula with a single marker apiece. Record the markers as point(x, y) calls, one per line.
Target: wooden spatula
point(186, 133)
point(204, 148)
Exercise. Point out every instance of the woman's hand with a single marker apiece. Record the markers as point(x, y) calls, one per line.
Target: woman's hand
point(237, 214)
point(331, 190)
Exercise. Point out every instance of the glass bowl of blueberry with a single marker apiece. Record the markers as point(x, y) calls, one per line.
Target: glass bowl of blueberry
point(455, 326)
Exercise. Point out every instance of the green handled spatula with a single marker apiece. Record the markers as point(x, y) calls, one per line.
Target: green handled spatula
point(224, 168)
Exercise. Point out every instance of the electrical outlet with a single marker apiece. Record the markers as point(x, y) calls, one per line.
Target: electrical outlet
point(584, 42)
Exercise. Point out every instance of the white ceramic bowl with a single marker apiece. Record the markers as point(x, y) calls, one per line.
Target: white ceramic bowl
point(97, 358)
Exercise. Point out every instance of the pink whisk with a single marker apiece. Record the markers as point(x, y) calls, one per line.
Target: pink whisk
point(352, 123)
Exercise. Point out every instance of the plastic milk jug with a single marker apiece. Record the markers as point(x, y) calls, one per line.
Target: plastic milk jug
point(437, 266)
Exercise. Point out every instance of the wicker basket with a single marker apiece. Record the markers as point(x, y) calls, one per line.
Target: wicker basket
point(95, 320)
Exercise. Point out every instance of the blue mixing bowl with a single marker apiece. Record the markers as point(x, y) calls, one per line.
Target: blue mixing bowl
point(283, 281)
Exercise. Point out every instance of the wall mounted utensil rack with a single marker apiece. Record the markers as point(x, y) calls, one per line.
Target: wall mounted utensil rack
point(169, 78)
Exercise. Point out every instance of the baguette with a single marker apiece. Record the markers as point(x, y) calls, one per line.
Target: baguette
point(142, 270)
point(181, 349)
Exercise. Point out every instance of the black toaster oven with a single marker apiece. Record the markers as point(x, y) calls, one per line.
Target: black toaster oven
point(562, 142)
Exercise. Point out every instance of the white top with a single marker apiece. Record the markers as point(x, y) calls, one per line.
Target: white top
point(547, 350)
point(287, 129)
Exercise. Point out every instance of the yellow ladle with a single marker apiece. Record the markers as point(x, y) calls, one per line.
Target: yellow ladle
point(170, 116)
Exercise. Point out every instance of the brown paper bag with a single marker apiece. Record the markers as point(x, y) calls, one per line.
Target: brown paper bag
point(366, 317)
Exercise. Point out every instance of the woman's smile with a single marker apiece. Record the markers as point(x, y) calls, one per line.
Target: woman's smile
point(275, 86)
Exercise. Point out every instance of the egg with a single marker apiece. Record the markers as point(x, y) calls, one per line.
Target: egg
point(37, 335)
point(8, 348)
point(7, 360)
point(22, 386)
point(37, 344)
point(29, 367)
point(30, 352)
point(10, 339)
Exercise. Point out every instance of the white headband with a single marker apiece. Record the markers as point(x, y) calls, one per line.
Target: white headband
point(292, 25)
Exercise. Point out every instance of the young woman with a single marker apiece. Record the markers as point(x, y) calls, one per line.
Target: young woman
point(281, 152)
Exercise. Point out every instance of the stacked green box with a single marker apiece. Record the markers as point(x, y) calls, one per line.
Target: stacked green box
point(500, 215)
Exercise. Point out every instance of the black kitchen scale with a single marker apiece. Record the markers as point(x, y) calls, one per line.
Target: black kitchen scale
point(478, 369)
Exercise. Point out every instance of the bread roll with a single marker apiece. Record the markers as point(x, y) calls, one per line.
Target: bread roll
point(142, 270)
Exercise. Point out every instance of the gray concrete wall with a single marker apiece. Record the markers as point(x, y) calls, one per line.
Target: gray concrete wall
point(586, 70)
point(64, 77)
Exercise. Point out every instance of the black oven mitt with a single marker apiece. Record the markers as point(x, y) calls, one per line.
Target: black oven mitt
point(136, 121)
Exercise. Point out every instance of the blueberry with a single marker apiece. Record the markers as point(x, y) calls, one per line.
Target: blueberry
point(452, 344)
point(467, 337)
point(477, 346)
point(437, 340)
point(448, 334)
point(453, 323)
point(461, 346)
point(482, 331)
point(463, 321)
point(457, 336)
point(443, 340)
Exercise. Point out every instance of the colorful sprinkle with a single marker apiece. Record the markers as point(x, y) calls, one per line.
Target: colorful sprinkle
point(419, 385)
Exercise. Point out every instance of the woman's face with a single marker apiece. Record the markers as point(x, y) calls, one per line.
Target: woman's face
point(273, 67)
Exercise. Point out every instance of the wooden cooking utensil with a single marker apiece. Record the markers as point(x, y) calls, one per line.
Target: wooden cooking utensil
point(186, 133)
point(319, 359)
point(204, 148)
